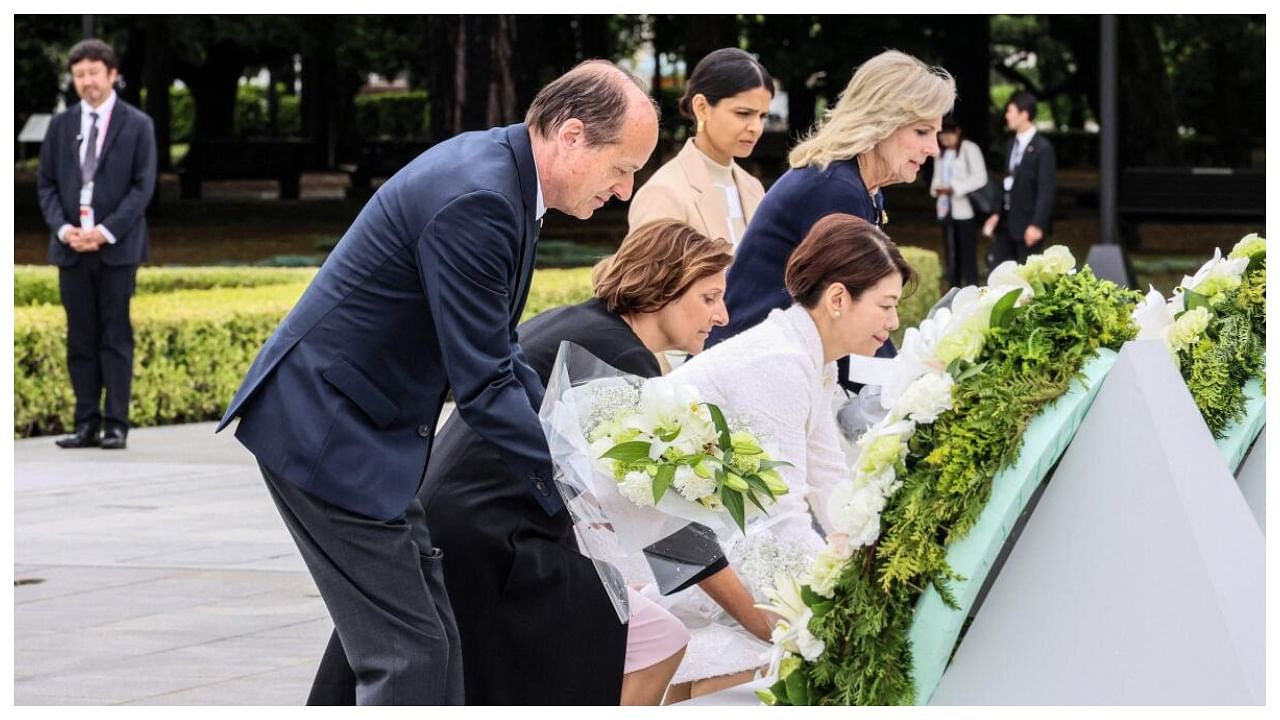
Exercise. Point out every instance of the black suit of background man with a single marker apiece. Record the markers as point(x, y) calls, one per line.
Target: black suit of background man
point(99, 236)
point(1024, 221)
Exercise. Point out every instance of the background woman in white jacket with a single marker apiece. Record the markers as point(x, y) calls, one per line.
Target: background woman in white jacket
point(959, 171)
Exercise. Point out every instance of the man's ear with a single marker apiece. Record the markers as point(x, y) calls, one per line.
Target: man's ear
point(572, 132)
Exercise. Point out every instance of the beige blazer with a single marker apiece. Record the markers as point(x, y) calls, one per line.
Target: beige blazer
point(682, 189)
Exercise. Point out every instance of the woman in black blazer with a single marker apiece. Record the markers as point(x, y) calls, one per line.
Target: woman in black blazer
point(880, 132)
point(536, 625)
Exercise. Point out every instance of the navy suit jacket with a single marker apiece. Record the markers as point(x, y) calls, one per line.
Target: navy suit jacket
point(420, 296)
point(122, 183)
point(1034, 185)
point(795, 203)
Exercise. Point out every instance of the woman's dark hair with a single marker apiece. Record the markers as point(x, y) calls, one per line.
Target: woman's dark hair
point(949, 125)
point(92, 49)
point(724, 73)
point(848, 250)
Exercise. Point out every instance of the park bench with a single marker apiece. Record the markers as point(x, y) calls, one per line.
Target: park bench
point(281, 160)
point(380, 159)
point(1189, 195)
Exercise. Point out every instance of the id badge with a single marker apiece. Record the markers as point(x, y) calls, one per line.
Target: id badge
point(86, 207)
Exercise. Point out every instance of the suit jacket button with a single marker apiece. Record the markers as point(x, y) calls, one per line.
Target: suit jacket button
point(542, 488)
point(424, 431)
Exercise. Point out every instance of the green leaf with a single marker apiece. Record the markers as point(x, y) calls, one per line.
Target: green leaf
point(798, 687)
point(666, 473)
point(970, 371)
point(628, 451)
point(771, 464)
point(754, 501)
point(722, 427)
point(1194, 299)
point(732, 500)
point(822, 608)
point(759, 485)
point(779, 690)
point(1002, 314)
point(1255, 262)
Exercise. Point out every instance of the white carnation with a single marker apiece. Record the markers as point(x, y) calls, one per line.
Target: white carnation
point(638, 488)
point(690, 486)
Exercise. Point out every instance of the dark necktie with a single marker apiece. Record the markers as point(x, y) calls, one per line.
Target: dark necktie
point(91, 153)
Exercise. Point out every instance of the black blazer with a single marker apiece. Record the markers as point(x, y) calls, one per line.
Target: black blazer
point(535, 623)
point(1031, 200)
point(795, 203)
point(122, 183)
point(421, 296)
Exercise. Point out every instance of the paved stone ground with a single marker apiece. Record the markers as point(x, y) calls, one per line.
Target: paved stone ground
point(158, 575)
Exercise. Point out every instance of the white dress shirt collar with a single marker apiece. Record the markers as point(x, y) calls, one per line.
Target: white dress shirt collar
point(103, 110)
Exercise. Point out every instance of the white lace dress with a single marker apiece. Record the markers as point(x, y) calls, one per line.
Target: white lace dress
point(772, 379)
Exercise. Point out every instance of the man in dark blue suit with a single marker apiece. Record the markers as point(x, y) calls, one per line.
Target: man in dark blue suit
point(1024, 220)
point(97, 173)
point(419, 298)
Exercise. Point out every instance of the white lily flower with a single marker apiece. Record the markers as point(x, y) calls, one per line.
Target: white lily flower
point(791, 634)
point(1217, 274)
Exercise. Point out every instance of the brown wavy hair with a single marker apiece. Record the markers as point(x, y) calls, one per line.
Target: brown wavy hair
point(845, 249)
point(655, 265)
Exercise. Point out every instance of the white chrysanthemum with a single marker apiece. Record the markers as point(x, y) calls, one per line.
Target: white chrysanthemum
point(692, 487)
point(1050, 264)
point(925, 399)
point(1188, 328)
point(637, 487)
point(827, 567)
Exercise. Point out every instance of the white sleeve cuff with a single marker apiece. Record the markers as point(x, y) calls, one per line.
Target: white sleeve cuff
point(62, 233)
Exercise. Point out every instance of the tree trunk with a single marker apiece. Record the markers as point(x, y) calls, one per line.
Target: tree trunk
point(502, 87)
point(964, 54)
point(158, 78)
point(1148, 118)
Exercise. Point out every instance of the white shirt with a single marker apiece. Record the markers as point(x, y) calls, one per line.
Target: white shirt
point(86, 125)
point(722, 178)
point(1019, 147)
point(542, 206)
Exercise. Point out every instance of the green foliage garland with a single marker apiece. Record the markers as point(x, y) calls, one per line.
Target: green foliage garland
point(1231, 351)
point(947, 482)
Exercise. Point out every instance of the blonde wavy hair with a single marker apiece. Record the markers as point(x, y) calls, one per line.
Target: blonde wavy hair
point(889, 91)
point(655, 265)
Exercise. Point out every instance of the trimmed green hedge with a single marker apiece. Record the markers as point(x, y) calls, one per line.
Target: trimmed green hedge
point(196, 330)
point(914, 307)
point(38, 284)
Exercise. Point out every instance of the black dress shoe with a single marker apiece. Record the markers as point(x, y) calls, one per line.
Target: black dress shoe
point(86, 435)
point(113, 438)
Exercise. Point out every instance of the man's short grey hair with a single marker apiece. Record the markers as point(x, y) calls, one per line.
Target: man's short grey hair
point(595, 92)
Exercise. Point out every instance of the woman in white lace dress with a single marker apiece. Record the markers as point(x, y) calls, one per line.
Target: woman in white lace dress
point(779, 379)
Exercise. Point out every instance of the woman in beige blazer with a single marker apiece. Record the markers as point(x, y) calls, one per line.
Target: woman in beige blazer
point(728, 98)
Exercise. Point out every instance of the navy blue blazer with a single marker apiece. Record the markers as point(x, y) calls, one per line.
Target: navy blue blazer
point(795, 203)
point(122, 183)
point(420, 296)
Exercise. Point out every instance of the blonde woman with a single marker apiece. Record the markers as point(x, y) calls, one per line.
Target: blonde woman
point(883, 128)
point(727, 98)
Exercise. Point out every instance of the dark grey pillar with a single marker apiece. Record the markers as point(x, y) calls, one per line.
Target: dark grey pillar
point(1107, 257)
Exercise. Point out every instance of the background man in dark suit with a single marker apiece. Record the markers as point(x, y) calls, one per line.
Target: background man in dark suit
point(421, 297)
point(1024, 221)
point(97, 173)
